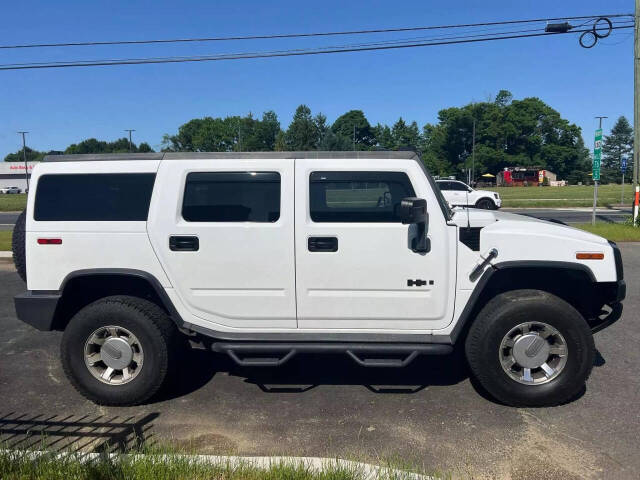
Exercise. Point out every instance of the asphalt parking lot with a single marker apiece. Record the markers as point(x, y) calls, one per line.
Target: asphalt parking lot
point(428, 415)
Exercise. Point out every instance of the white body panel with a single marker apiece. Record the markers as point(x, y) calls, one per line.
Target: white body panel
point(87, 245)
point(243, 274)
point(364, 284)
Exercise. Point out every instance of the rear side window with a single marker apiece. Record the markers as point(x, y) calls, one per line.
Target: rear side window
point(232, 197)
point(94, 197)
point(357, 196)
point(459, 187)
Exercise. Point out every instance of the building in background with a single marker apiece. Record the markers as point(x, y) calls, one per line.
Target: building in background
point(12, 174)
point(525, 176)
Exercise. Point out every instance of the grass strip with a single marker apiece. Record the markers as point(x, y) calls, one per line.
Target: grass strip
point(13, 202)
point(5, 240)
point(616, 232)
point(81, 466)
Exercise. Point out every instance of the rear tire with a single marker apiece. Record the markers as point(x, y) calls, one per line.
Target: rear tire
point(561, 377)
point(18, 245)
point(117, 321)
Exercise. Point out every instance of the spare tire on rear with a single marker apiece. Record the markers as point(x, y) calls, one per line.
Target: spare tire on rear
point(18, 245)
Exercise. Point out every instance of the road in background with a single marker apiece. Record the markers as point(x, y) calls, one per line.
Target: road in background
point(428, 414)
point(8, 220)
point(574, 215)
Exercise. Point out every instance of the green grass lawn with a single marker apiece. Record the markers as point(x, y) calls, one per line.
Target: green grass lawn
point(13, 203)
point(570, 196)
point(21, 465)
point(617, 232)
point(5, 240)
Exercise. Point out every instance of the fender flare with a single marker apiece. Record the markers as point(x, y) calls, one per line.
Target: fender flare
point(472, 303)
point(128, 272)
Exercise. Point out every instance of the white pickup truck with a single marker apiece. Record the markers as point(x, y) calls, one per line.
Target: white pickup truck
point(265, 255)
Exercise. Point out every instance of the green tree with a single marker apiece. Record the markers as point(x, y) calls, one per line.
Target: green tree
point(92, 145)
point(229, 134)
point(509, 132)
point(615, 146)
point(405, 136)
point(302, 133)
point(355, 127)
point(32, 156)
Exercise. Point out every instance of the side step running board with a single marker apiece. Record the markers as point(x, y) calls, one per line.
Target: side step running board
point(364, 354)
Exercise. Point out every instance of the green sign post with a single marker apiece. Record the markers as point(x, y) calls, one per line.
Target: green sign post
point(597, 157)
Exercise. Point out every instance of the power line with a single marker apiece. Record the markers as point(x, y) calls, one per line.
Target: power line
point(221, 56)
point(286, 53)
point(303, 35)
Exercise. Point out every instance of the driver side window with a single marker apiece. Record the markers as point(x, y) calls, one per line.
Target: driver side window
point(357, 196)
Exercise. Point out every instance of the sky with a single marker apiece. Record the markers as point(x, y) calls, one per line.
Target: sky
point(63, 106)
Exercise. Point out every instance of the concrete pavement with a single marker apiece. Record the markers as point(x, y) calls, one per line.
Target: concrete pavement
point(427, 415)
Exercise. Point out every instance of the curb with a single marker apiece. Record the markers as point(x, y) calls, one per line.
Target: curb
point(5, 254)
point(317, 464)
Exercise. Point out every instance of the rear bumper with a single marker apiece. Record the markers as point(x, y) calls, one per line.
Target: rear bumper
point(37, 308)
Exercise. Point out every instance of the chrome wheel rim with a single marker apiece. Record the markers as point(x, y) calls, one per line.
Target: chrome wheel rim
point(113, 355)
point(533, 353)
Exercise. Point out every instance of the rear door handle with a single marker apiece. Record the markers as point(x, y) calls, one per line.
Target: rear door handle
point(182, 243)
point(322, 244)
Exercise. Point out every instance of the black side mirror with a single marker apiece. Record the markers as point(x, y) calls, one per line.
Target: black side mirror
point(413, 211)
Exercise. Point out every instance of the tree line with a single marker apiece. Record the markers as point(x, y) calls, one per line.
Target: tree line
point(90, 145)
point(502, 132)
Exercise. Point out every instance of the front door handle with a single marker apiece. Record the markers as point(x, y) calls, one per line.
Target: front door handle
point(322, 244)
point(183, 243)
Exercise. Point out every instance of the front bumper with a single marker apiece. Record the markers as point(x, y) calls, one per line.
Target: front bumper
point(612, 294)
point(37, 308)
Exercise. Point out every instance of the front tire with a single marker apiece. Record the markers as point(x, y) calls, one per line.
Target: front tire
point(119, 350)
point(530, 348)
point(485, 204)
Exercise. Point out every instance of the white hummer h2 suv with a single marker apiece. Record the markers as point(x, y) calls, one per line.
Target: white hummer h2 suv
point(265, 255)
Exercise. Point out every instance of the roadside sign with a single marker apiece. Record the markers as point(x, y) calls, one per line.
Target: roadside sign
point(623, 164)
point(597, 155)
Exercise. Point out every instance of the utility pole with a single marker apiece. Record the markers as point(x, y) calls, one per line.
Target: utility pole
point(130, 144)
point(473, 153)
point(24, 156)
point(597, 152)
point(354, 137)
point(636, 110)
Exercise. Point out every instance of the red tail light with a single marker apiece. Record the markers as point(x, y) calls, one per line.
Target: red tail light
point(49, 241)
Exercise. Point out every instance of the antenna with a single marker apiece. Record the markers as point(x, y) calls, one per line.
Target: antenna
point(467, 196)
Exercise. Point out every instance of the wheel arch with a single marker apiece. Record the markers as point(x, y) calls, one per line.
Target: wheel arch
point(572, 282)
point(485, 198)
point(82, 287)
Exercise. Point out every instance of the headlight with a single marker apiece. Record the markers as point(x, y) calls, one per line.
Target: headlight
point(496, 195)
